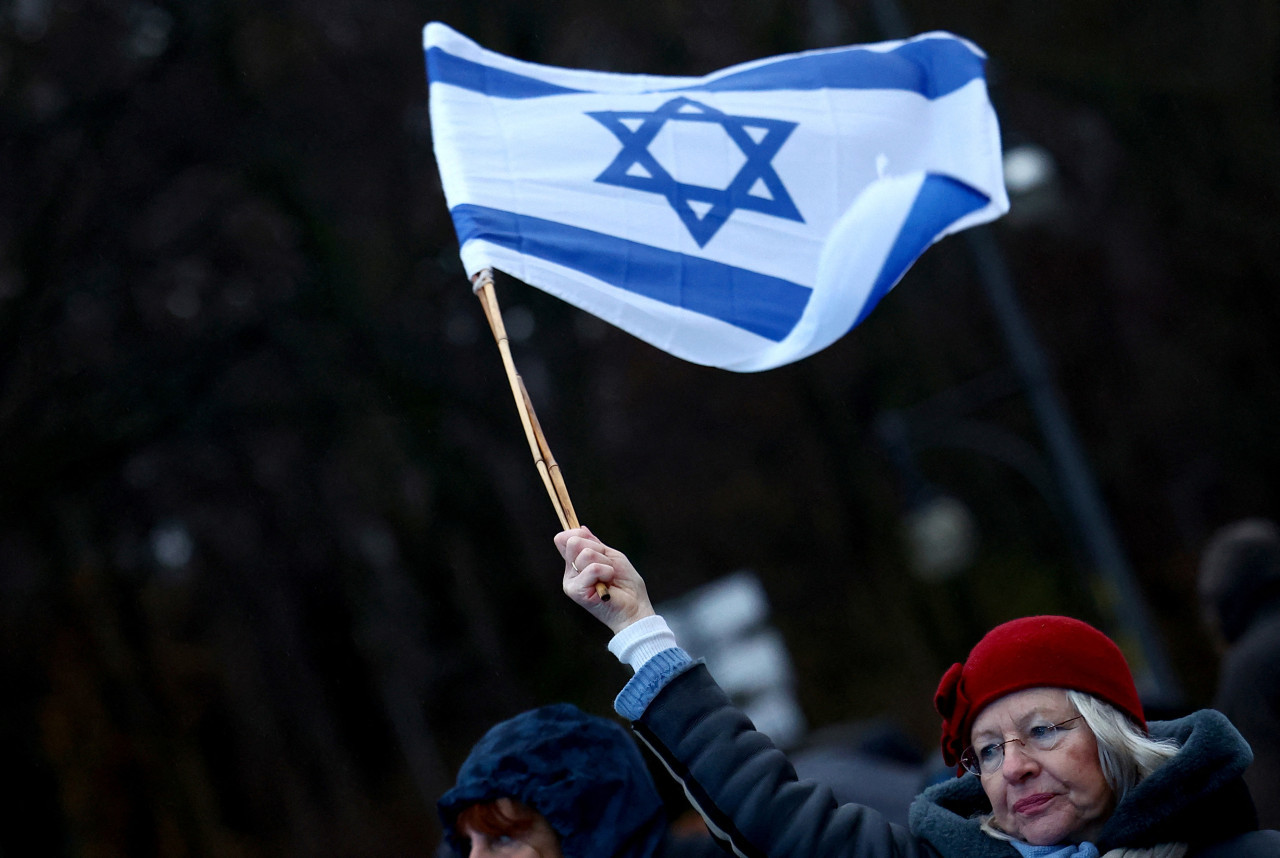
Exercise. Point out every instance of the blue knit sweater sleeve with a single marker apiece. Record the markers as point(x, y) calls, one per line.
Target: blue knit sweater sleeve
point(652, 676)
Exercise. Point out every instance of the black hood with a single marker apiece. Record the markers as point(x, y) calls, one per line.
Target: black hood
point(583, 773)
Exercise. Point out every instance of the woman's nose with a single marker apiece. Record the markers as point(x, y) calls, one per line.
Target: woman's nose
point(1017, 762)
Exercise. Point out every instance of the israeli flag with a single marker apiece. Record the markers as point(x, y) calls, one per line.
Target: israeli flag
point(745, 219)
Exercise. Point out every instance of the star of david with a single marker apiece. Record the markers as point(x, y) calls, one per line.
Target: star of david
point(756, 187)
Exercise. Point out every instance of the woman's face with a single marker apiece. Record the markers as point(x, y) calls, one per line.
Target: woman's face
point(1043, 797)
point(537, 841)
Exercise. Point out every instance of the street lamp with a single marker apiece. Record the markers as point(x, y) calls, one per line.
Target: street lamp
point(940, 532)
point(1031, 178)
point(1033, 171)
point(1121, 596)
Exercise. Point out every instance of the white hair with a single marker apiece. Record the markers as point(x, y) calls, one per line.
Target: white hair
point(1126, 753)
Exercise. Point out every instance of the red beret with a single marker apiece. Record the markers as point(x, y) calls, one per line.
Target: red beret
point(1033, 652)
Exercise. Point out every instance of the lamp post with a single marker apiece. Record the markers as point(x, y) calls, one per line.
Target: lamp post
point(940, 531)
point(1079, 493)
point(1123, 599)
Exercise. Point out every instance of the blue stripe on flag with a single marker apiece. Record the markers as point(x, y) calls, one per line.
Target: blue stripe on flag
point(444, 67)
point(930, 67)
point(764, 305)
point(940, 202)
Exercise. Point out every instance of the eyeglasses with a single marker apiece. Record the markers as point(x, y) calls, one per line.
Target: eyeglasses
point(989, 758)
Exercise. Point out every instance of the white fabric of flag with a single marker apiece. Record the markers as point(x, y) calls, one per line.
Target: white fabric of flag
point(744, 219)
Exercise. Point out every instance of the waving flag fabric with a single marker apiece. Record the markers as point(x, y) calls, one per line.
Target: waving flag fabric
point(744, 219)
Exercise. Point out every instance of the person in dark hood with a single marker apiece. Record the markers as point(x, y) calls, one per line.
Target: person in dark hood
point(1042, 722)
point(555, 782)
point(1240, 591)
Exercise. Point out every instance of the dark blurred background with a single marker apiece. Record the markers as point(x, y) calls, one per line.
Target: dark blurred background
point(273, 552)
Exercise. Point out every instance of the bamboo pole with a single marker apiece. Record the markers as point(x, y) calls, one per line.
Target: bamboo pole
point(552, 479)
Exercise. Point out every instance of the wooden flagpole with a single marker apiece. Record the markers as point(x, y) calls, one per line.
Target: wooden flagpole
point(482, 284)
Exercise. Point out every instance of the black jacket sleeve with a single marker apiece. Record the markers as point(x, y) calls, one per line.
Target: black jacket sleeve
point(746, 789)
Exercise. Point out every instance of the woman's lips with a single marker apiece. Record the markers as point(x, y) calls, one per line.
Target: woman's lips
point(1032, 803)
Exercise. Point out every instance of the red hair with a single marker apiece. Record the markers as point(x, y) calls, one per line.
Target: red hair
point(488, 818)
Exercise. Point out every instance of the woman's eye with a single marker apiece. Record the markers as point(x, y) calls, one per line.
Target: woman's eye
point(1040, 731)
point(988, 752)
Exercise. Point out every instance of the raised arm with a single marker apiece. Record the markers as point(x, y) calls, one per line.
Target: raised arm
point(744, 787)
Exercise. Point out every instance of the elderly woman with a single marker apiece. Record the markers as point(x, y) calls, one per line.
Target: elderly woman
point(1042, 721)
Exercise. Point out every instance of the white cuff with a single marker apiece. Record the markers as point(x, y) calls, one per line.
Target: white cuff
point(641, 641)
